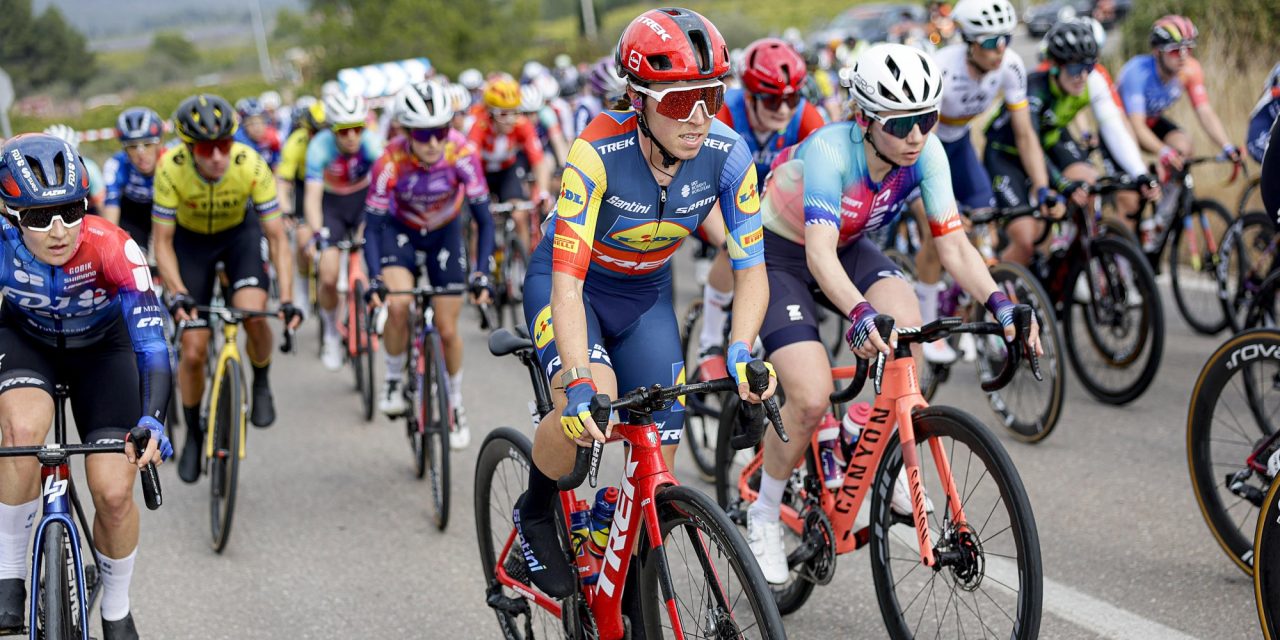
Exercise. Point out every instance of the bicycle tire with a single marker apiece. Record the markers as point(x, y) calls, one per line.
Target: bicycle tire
point(224, 464)
point(363, 362)
point(502, 474)
point(1026, 421)
point(1266, 554)
point(1245, 261)
point(515, 267)
point(1216, 457)
point(701, 418)
point(687, 508)
point(435, 414)
point(1195, 289)
point(986, 566)
point(1122, 266)
point(55, 618)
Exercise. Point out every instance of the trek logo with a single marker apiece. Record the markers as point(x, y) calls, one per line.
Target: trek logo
point(54, 489)
point(657, 28)
point(719, 145)
point(1252, 352)
point(670, 436)
point(618, 535)
point(617, 146)
point(636, 265)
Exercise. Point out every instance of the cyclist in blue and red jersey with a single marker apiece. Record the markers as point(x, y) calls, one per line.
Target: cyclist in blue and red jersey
point(598, 293)
point(78, 310)
point(129, 172)
point(420, 186)
point(770, 114)
point(257, 132)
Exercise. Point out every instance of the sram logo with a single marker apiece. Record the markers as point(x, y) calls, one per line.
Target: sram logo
point(53, 489)
point(619, 533)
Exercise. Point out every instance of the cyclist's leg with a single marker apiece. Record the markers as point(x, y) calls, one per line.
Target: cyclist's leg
point(247, 274)
point(1010, 184)
point(447, 270)
point(197, 256)
point(505, 187)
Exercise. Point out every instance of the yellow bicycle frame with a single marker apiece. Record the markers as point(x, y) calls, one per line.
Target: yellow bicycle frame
point(228, 356)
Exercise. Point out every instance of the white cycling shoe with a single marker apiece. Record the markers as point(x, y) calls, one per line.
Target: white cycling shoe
point(331, 353)
point(391, 399)
point(765, 540)
point(901, 501)
point(460, 437)
point(939, 352)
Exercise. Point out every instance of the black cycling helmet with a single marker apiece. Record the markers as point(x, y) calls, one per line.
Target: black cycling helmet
point(204, 117)
point(1071, 42)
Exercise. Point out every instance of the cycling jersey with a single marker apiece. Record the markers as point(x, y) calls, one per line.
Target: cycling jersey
point(268, 147)
point(183, 196)
point(426, 199)
point(764, 149)
point(612, 217)
point(1046, 65)
point(1263, 115)
point(965, 98)
point(1145, 94)
point(499, 151)
point(341, 173)
point(130, 190)
point(97, 184)
point(1270, 177)
point(824, 180)
point(584, 111)
point(79, 304)
point(293, 158)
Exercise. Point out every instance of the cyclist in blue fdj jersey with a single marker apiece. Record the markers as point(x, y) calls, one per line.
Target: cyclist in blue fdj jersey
point(129, 172)
point(598, 293)
point(78, 310)
point(1263, 115)
point(256, 131)
point(1271, 176)
point(823, 196)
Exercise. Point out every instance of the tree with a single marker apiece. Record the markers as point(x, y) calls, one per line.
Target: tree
point(43, 50)
point(175, 47)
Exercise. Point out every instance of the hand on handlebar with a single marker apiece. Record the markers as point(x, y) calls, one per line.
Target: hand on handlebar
point(1050, 204)
point(1002, 309)
point(376, 293)
point(479, 287)
point(1149, 188)
point(737, 360)
point(183, 307)
point(291, 315)
point(863, 338)
point(158, 448)
point(576, 420)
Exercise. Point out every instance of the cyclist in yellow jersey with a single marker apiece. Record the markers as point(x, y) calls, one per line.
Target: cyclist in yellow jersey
point(203, 190)
point(291, 176)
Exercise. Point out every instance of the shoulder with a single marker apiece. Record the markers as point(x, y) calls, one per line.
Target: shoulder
point(609, 125)
point(1013, 62)
point(1191, 71)
point(949, 54)
point(174, 163)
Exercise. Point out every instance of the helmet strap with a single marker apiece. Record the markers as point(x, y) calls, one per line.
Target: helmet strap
point(667, 159)
point(866, 136)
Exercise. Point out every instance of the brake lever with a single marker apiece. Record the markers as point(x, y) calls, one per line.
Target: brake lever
point(1024, 336)
point(884, 326)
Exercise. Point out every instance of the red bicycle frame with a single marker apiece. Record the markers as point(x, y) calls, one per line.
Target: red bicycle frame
point(355, 274)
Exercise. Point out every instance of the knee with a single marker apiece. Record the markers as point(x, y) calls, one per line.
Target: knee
point(808, 410)
point(194, 354)
point(22, 431)
point(398, 310)
point(448, 331)
point(114, 504)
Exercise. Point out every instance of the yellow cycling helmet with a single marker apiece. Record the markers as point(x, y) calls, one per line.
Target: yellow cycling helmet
point(502, 93)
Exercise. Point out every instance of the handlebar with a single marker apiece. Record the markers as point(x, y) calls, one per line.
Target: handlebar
point(648, 400)
point(940, 329)
point(233, 315)
point(53, 455)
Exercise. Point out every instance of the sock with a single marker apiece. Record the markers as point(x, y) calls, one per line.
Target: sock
point(15, 533)
point(330, 317)
point(191, 415)
point(455, 389)
point(260, 379)
point(768, 504)
point(542, 490)
point(395, 365)
point(714, 314)
point(300, 293)
point(927, 294)
point(116, 575)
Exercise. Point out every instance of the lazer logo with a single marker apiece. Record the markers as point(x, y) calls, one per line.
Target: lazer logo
point(54, 489)
point(1253, 352)
point(618, 535)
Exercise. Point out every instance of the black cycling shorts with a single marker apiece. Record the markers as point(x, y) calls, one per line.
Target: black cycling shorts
point(1162, 126)
point(507, 184)
point(135, 219)
point(342, 216)
point(241, 251)
point(794, 293)
point(106, 397)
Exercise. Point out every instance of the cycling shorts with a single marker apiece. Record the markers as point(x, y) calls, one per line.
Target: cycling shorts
point(299, 200)
point(1012, 184)
point(631, 327)
point(1259, 134)
point(969, 179)
point(106, 399)
point(240, 249)
point(135, 219)
point(445, 255)
point(794, 293)
point(343, 215)
point(507, 184)
point(1162, 126)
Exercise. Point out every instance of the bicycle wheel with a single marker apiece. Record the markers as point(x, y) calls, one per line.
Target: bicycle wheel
point(702, 410)
point(1233, 408)
point(57, 613)
point(1193, 268)
point(1113, 322)
point(989, 582)
point(1247, 255)
point(1027, 407)
point(515, 267)
point(502, 474)
point(435, 414)
point(363, 362)
point(1266, 557)
point(709, 574)
point(224, 465)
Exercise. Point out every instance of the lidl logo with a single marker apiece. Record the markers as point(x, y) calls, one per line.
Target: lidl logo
point(748, 198)
point(651, 235)
point(542, 332)
point(573, 191)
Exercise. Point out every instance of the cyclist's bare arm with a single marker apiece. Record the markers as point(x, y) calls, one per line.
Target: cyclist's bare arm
point(1212, 125)
point(542, 175)
point(1147, 138)
point(560, 147)
point(281, 257)
point(749, 305)
point(569, 317)
point(313, 197)
point(284, 191)
point(1029, 149)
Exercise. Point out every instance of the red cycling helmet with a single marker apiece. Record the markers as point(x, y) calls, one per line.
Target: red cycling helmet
point(671, 45)
point(1173, 29)
point(771, 66)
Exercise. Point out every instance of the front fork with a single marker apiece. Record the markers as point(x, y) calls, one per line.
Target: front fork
point(915, 477)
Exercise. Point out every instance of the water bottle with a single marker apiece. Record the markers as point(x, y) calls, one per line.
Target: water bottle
point(587, 564)
point(828, 438)
point(855, 418)
point(600, 518)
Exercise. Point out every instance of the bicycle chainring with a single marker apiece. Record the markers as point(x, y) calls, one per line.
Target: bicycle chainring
point(820, 543)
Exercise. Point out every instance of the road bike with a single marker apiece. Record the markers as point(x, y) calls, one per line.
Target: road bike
point(510, 262)
point(658, 525)
point(1266, 553)
point(969, 568)
point(64, 587)
point(359, 342)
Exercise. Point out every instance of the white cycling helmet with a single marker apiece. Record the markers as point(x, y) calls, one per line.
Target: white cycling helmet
point(459, 97)
point(345, 109)
point(472, 79)
point(424, 105)
point(64, 133)
point(1099, 32)
point(984, 18)
point(894, 77)
point(270, 100)
point(329, 88)
point(531, 99)
point(547, 85)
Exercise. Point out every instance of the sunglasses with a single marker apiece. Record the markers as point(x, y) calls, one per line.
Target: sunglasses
point(774, 102)
point(206, 148)
point(504, 114)
point(346, 131)
point(429, 135)
point(1177, 50)
point(901, 126)
point(1077, 68)
point(141, 146)
point(41, 219)
point(679, 103)
point(994, 42)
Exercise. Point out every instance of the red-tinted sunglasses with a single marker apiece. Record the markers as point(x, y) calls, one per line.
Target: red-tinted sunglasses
point(679, 103)
point(205, 148)
point(774, 102)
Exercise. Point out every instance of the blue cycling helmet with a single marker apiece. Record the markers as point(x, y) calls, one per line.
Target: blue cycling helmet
point(39, 170)
point(249, 108)
point(139, 124)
